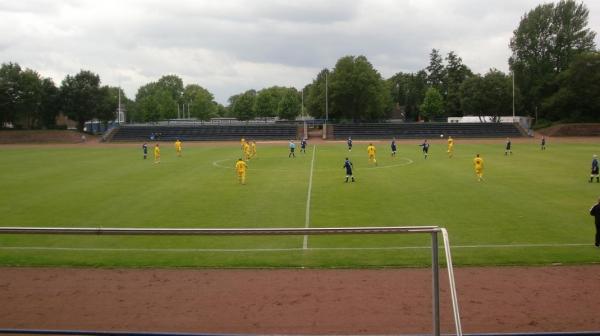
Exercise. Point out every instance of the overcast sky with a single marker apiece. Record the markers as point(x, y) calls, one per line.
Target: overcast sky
point(229, 46)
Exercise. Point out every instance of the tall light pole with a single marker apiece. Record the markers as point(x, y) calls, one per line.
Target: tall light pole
point(326, 106)
point(303, 116)
point(513, 94)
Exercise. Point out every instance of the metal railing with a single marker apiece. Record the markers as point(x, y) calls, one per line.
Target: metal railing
point(433, 230)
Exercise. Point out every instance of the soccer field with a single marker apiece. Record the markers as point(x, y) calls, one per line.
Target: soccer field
point(532, 207)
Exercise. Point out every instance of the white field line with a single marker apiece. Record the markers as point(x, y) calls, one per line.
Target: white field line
point(208, 250)
point(307, 214)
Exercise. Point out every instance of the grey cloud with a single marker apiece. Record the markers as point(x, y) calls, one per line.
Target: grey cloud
point(231, 45)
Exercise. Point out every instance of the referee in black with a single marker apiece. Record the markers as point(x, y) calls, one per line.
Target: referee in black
point(595, 211)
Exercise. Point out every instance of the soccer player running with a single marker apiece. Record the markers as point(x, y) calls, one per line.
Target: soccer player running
point(292, 146)
point(303, 145)
point(349, 142)
point(156, 154)
point(425, 146)
point(145, 150)
point(178, 147)
point(372, 151)
point(594, 169)
point(450, 147)
point(240, 168)
point(348, 166)
point(393, 147)
point(508, 149)
point(478, 163)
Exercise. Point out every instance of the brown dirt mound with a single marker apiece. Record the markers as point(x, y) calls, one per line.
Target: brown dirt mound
point(388, 301)
point(42, 136)
point(575, 130)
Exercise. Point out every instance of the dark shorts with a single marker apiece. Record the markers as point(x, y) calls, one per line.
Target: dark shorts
point(595, 171)
point(425, 149)
point(292, 150)
point(348, 172)
point(507, 147)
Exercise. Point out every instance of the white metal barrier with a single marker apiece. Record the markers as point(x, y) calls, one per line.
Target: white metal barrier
point(433, 230)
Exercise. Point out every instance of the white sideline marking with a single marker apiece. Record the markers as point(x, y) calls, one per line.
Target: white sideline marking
point(187, 250)
point(307, 214)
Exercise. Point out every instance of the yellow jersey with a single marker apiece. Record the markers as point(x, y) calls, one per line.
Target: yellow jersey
point(178, 145)
point(371, 150)
point(450, 142)
point(241, 166)
point(478, 162)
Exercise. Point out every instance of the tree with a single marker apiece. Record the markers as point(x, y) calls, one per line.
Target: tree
point(408, 90)
point(267, 101)
point(578, 96)
point(155, 101)
point(490, 95)
point(433, 104)
point(314, 95)
point(243, 105)
point(30, 99)
point(50, 103)
point(472, 96)
point(289, 105)
point(9, 92)
point(173, 85)
point(82, 98)
point(455, 74)
point(544, 44)
point(435, 70)
point(201, 102)
point(357, 90)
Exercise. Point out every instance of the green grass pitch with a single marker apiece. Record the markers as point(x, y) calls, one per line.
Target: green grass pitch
point(531, 209)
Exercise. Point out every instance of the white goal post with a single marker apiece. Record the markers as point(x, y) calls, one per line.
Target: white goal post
point(432, 230)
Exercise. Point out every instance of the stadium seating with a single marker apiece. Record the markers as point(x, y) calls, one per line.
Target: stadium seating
point(425, 130)
point(204, 132)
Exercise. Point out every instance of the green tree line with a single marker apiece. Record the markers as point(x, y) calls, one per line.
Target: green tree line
point(554, 72)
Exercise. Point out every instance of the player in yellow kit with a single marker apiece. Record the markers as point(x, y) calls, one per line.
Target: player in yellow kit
point(246, 150)
point(252, 149)
point(240, 167)
point(178, 147)
point(450, 146)
point(242, 142)
point(478, 163)
point(372, 151)
point(156, 154)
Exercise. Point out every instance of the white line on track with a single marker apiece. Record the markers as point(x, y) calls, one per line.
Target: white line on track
point(307, 214)
point(243, 250)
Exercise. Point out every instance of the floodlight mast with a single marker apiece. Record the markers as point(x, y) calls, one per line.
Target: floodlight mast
point(326, 105)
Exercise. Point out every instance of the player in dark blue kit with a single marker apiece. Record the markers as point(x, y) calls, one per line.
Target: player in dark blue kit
point(348, 166)
point(594, 169)
point(425, 146)
point(303, 145)
point(349, 144)
point(393, 146)
point(508, 149)
point(543, 143)
point(145, 150)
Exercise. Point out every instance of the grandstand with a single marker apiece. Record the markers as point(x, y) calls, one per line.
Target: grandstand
point(204, 132)
point(227, 132)
point(426, 130)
